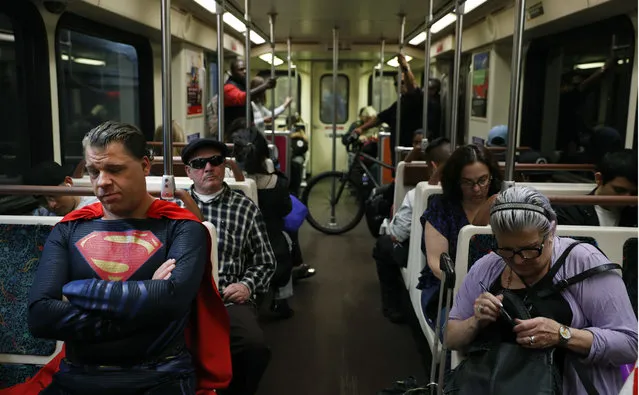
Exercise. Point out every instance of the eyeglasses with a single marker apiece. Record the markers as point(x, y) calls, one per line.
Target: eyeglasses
point(482, 182)
point(200, 163)
point(524, 253)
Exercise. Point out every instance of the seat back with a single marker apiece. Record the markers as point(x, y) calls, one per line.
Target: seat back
point(407, 176)
point(22, 239)
point(214, 259)
point(476, 241)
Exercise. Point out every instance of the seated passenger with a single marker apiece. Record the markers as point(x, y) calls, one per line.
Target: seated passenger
point(590, 321)
point(246, 260)
point(416, 155)
point(468, 178)
point(498, 137)
point(251, 149)
point(391, 250)
point(616, 176)
point(52, 174)
point(117, 282)
point(178, 137)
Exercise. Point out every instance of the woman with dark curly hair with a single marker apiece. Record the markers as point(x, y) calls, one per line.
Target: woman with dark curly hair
point(468, 178)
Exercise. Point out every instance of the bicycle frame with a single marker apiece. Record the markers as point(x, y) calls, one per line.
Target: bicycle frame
point(358, 160)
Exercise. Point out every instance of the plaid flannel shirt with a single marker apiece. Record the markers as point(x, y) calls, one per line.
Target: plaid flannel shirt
point(244, 250)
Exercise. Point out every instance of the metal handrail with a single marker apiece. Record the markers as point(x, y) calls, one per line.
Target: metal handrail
point(593, 200)
point(88, 191)
point(551, 167)
point(53, 191)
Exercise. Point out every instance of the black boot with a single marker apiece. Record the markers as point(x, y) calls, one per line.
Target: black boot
point(281, 309)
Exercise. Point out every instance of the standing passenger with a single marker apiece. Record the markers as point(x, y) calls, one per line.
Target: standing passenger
point(261, 114)
point(411, 115)
point(235, 92)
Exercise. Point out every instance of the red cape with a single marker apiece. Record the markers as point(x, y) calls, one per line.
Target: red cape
point(207, 334)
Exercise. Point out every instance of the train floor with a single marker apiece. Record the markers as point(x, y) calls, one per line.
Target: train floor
point(338, 342)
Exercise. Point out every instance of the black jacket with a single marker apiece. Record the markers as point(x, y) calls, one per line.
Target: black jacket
point(587, 216)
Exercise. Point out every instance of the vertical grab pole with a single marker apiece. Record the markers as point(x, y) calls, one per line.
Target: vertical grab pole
point(381, 74)
point(168, 182)
point(400, 72)
point(247, 60)
point(380, 83)
point(271, 19)
point(290, 74)
point(429, 18)
point(515, 79)
point(219, 8)
point(459, 25)
point(334, 158)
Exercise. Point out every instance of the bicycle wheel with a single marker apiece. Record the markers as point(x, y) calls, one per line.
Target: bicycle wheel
point(349, 203)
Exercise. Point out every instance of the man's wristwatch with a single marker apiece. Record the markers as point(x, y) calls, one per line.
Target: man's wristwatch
point(564, 335)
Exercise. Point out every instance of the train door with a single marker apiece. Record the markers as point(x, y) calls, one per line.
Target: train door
point(322, 109)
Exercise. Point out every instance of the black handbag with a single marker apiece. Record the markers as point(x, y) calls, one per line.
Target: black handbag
point(506, 368)
point(502, 368)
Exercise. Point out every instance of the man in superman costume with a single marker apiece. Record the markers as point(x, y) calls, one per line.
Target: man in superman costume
point(127, 285)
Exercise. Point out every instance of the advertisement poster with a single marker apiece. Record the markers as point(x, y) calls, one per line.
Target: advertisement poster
point(195, 68)
point(481, 64)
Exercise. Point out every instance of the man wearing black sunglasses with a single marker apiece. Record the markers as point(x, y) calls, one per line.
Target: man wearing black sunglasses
point(247, 262)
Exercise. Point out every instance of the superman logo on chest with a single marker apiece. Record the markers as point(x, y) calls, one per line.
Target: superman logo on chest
point(117, 255)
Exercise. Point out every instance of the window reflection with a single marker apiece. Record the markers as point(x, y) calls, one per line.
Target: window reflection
point(11, 136)
point(388, 89)
point(327, 103)
point(98, 81)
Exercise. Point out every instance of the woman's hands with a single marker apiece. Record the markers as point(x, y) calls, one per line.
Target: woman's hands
point(539, 332)
point(488, 308)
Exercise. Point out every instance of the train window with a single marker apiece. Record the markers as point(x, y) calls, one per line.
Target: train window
point(100, 78)
point(326, 99)
point(9, 99)
point(580, 94)
point(281, 90)
point(388, 89)
point(25, 107)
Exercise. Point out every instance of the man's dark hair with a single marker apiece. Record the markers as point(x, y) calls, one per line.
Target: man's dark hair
point(434, 152)
point(619, 164)
point(463, 156)
point(117, 132)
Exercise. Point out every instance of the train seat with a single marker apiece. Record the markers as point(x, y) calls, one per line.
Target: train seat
point(407, 176)
point(22, 239)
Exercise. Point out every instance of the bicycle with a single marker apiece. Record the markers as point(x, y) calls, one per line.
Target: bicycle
point(325, 183)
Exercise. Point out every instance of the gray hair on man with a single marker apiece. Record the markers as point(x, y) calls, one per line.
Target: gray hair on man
point(519, 208)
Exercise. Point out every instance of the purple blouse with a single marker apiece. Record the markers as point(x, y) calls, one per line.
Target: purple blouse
point(599, 304)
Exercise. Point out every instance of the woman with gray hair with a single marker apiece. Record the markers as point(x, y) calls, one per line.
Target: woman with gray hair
point(590, 319)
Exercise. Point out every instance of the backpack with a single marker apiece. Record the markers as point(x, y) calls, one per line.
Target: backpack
point(378, 208)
